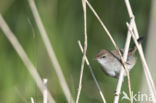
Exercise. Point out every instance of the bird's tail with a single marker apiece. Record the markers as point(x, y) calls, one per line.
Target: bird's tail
point(134, 48)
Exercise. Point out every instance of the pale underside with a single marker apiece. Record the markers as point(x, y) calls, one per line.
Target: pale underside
point(112, 67)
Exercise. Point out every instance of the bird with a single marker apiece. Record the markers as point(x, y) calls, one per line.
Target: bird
point(110, 61)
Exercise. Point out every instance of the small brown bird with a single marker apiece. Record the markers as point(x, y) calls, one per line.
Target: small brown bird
point(110, 61)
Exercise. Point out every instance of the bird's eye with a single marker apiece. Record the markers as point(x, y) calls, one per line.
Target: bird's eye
point(103, 56)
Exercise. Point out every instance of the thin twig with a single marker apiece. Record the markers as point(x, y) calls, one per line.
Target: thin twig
point(116, 47)
point(45, 96)
point(121, 77)
point(131, 15)
point(51, 53)
point(20, 51)
point(92, 73)
point(84, 50)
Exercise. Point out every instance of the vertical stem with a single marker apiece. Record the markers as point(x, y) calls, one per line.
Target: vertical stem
point(93, 75)
point(115, 45)
point(32, 100)
point(84, 50)
point(121, 76)
point(45, 94)
point(145, 66)
point(135, 35)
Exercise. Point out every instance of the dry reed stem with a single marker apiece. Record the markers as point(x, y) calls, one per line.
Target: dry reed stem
point(92, 73)
point(121, 77)
point(84, 50)
point(135, 36)
point(45, 93)
point(51, 52)
point(149, 82)
point(116, 47)
point(20, 51)
point(32, 100)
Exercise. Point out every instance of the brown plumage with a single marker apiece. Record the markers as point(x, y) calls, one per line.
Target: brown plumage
point(111, 63)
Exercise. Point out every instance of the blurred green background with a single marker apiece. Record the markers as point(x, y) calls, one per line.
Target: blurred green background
point(63, 21)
